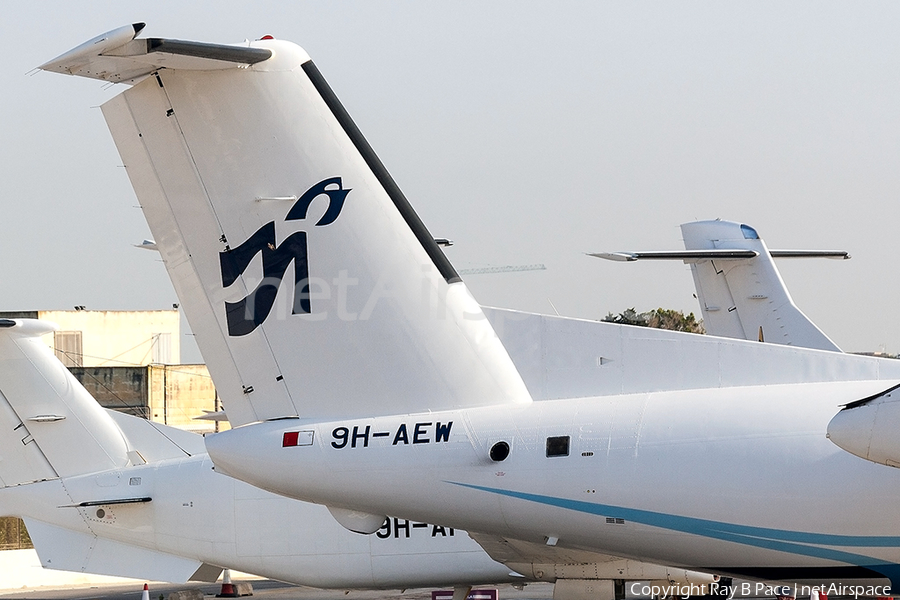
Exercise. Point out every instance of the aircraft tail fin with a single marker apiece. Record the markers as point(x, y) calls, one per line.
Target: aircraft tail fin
point(739, 288)
point(53, 427)
point(310, 283)
point(746, 298)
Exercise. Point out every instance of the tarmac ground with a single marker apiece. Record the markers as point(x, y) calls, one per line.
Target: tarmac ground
point(262, 590)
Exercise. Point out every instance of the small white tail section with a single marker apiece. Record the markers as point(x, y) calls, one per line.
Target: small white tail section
point(82, 552)
point(54, 435)
point(51, 425)
point(746, 298)
point(310, 283)
point(739, 288)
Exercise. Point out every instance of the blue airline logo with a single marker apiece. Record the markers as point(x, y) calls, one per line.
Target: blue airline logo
point(250, 312)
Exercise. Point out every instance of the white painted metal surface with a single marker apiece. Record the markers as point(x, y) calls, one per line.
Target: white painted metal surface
point(37, 389)
point(407, 398)
point(739, 288)
point(561, 357)
point(868, 428)
point(747, 299)
point(189, 161)
point(82, 521)
point(712, 480)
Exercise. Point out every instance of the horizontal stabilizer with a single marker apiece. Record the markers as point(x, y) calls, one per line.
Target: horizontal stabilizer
point(716, 254)
point(117, 56)
point(209, 415)
point(685, 255)
point(834, 254)
point(155, 441)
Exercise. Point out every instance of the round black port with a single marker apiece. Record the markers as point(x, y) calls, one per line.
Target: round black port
point(101, 513)
point(499, 451)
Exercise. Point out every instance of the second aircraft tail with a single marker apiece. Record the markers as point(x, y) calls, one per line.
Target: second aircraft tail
point(746, 298)
point(739, 288)
point(52, 426)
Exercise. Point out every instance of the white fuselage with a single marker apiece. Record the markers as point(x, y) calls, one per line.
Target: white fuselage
point(199, 514)
point(739, 480)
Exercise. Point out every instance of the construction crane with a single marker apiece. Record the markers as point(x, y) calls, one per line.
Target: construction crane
point(503, 269)
point(446, 242)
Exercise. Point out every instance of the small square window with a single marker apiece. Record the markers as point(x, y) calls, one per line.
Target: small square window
point(558, 446)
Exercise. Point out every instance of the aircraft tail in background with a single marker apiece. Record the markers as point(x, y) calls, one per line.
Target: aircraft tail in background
point(739, 288)
point(62, 459)
point(46, 413)
point(295, 255)
point(110, 493)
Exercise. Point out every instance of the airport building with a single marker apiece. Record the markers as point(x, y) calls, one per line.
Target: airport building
point(106, 338)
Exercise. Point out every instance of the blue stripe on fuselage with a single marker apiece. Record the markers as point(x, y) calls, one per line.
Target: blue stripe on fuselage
point(794, 542)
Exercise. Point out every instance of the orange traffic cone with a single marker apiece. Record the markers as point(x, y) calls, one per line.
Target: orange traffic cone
point(228, 589)
point(145, 595)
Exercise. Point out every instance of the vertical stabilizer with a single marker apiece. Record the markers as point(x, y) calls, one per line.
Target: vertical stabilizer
point(310, 283)
point(52, 426)
point(746, 298)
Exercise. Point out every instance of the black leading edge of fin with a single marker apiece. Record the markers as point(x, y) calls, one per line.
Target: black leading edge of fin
point(444, 267)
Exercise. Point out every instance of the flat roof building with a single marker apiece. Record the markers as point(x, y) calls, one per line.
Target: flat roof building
point(94, 338)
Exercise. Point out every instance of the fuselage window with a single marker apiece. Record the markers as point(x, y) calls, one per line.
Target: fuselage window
point(558, 446)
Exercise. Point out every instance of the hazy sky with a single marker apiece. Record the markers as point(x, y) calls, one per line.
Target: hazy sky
point(526, 132)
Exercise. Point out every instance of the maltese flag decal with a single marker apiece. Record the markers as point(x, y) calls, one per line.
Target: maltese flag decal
point(297, 438)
